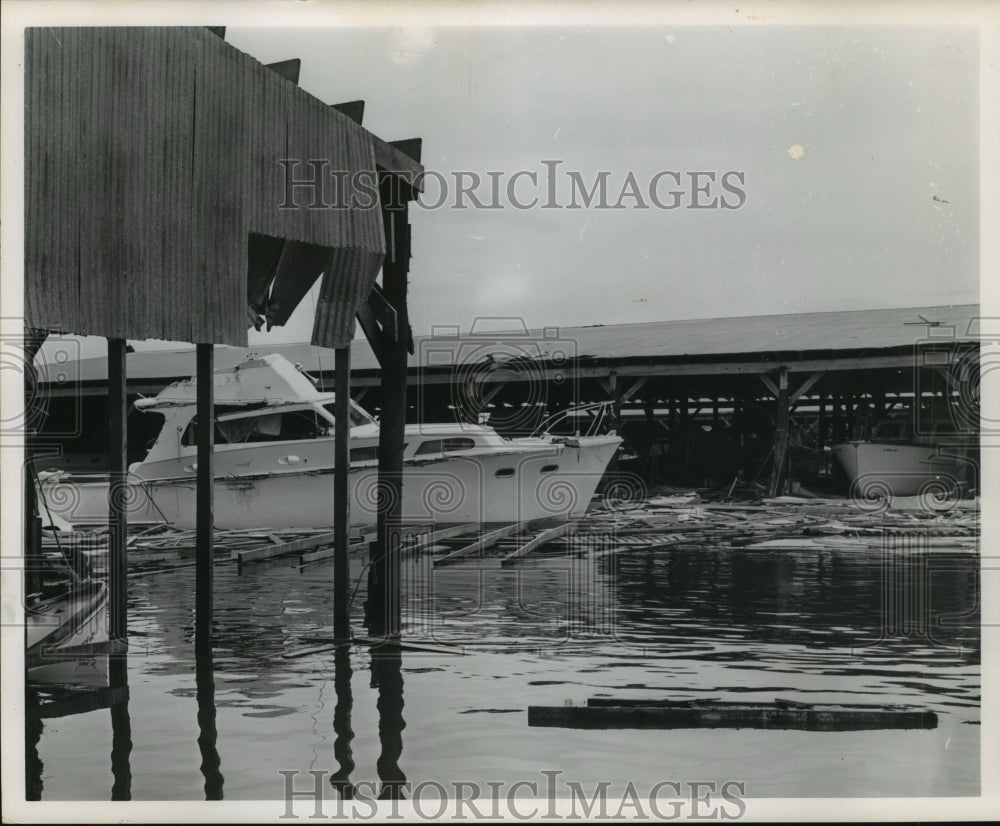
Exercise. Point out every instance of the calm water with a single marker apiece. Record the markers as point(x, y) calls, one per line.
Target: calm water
point(839, 627)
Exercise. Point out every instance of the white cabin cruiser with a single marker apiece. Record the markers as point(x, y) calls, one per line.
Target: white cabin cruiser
point(274, 457)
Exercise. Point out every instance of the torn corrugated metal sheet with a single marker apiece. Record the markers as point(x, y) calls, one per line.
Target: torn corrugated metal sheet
point(151, 156)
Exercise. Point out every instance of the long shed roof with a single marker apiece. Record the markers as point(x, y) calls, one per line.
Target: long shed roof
point(738, 338)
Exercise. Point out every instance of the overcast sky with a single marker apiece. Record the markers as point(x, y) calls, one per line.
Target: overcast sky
point(852, 154)
point(858, 149)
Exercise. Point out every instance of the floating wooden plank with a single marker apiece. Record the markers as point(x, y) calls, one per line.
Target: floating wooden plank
point(409, 536)
point(484, 542)
point(450, 532)
point(270, 552)
point(375, 642)
point(538, 541)
point(329, 553)
point(649, 714)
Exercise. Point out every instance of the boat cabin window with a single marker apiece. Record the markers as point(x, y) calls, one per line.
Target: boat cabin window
point(364, 454)
point(292, 425)
point(442, 445)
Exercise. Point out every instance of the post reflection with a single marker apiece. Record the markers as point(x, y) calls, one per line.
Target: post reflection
point(33, 766)
point(121, 728)
point(388, 678)
point(341, 779)
point(207, 734)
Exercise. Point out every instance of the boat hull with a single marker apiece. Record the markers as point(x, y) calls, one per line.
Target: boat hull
point(552, 480)
point(884, 468)
point(66, 637)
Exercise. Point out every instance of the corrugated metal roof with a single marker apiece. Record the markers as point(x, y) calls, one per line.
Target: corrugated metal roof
point(701, 339)
point(151, 154)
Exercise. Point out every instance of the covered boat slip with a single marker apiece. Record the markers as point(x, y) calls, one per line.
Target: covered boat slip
point(708, 402)
point(157, 206)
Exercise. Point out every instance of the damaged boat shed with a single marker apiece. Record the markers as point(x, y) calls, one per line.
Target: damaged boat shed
point(157, 206)
point(701, 402)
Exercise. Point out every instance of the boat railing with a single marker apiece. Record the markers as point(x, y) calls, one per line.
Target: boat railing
point(599, 412)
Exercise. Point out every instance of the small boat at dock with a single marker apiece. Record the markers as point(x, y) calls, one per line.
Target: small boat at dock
point(66, 633)
point(274, 460)
point(878, 469)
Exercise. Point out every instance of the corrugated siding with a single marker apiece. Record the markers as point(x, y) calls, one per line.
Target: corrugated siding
point(151, 155)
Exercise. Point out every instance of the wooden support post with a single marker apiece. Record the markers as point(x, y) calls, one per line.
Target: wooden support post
point(204, 524)
point(780, 435)
point(117, 491)
point(821, 439)
point(341, 494)
point(121, 726)
point(685, 432)
point(616, 398)
point(383, 590)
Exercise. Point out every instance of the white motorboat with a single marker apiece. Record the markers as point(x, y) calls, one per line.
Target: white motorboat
point(274, 457)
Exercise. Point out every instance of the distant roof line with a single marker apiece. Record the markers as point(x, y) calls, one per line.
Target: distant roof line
point(737, 337)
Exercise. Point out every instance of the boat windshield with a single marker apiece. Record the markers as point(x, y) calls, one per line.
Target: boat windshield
point(358, 414)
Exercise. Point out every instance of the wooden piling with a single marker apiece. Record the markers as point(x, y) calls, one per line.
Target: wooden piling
point(383, 591)
point(780, 434)
point(117, 491)
point(341, 493)
point(204, 524)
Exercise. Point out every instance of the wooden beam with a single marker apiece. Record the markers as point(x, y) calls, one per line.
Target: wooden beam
point(487, 540)
point(342, 494)
point(411, 147)
point(117, 491)
point(354, 109)
point(204, 520)
point(385, 314)
point(369, 326)
point(770, 385)
point(805, 387)
point(445, 376)
point(288, 69)
point(545, 536)
point(285, 548)
point(634, 388)
point(390, 158)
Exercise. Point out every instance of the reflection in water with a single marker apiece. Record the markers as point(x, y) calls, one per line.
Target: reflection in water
point(341, 779)
point(207, 735)
point(387, 677)
point(33, 765)
point(725, 623)
point(121, 729)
